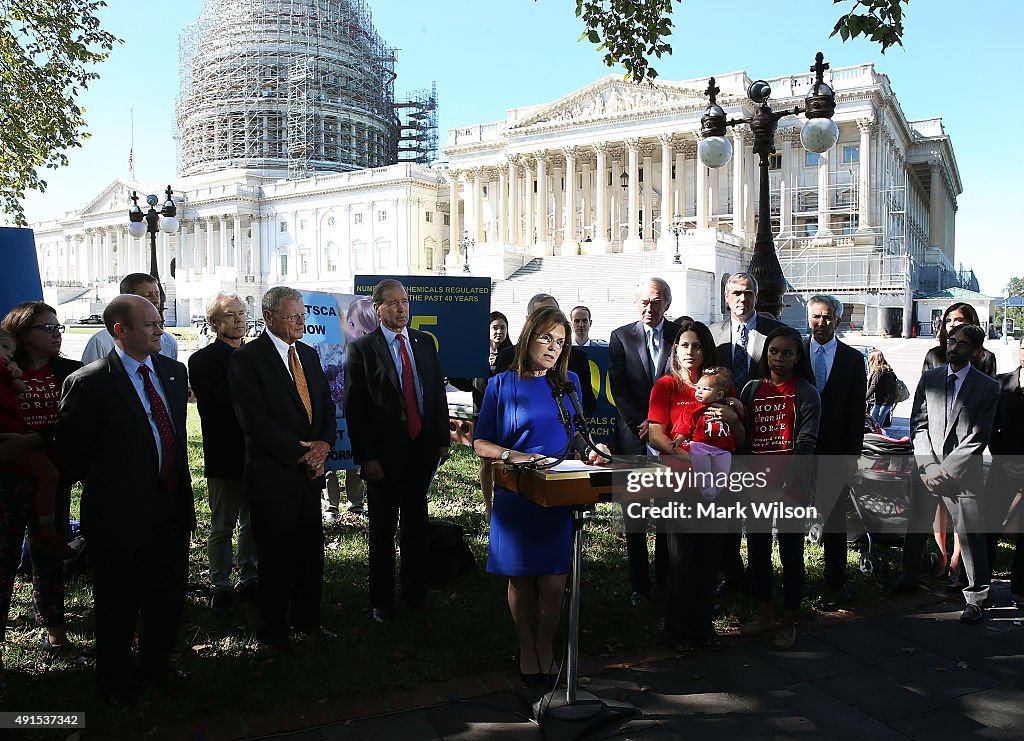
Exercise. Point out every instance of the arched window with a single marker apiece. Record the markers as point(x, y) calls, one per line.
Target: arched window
point(358, 248)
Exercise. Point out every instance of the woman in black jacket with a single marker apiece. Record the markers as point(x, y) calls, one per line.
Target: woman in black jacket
point(956, 314)
point(881, 391)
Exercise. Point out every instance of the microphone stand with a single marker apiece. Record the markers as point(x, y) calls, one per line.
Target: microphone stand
point(565, 418)
point(580, 419)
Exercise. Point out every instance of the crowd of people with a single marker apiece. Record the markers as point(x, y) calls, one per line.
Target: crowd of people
point(696, 396)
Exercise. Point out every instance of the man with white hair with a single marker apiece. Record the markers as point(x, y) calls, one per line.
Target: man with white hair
point(224, 452)
point(638, 355)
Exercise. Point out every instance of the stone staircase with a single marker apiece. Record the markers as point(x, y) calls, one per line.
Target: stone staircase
point(603, 283)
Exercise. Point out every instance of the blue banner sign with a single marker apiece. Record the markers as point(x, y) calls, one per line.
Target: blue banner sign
point(454, 311)
point(19, 280)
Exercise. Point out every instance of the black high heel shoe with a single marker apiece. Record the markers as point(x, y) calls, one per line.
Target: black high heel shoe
point(533, 681)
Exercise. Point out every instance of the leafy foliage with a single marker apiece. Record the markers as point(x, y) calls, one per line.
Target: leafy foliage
point(881, 21)
point(632, 32)
point(46, 50)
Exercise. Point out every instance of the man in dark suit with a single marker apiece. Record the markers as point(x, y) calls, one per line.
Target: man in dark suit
point(740, 342)
point(397, 416)
point(1006, 477)
point(639, 354)
point(224, 453)
point(283, 402)
point(121, 432)
point(841, 380)
point(578, 362)
point(951, 422)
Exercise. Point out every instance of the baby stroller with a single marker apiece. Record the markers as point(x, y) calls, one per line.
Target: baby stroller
point(880, 495)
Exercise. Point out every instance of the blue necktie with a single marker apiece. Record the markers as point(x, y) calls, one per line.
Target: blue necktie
point(950, 396)
point(740, 359)
point(820, 370)
point(652, 351)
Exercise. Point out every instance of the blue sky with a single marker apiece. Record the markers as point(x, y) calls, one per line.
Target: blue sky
point(490, 55)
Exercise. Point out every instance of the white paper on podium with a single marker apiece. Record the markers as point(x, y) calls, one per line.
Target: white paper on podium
point(572, 467)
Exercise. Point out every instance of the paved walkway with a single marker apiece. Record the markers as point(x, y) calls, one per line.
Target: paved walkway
point(918, 673)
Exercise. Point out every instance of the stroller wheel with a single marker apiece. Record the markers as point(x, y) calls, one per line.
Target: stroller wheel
point(873, 565)
point(814, 533)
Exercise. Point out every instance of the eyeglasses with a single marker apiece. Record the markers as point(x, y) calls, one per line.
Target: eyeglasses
point(49, 328)
point(547, 339)
point(292, 317)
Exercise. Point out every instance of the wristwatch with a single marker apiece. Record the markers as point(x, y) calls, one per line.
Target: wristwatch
point(505, 455)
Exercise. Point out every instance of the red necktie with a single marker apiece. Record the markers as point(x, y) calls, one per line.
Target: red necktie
point(413, 423)
point(168, 441)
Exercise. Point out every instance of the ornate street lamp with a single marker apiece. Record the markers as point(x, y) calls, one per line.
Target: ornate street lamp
point(152, 225)
point(676, 228)
point(464, 244)
point(819, 134)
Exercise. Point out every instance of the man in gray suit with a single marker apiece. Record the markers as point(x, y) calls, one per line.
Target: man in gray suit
point(951, 422)
point(740, 340)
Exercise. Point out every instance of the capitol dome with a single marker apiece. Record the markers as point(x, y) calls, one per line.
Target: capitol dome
point(290, 87)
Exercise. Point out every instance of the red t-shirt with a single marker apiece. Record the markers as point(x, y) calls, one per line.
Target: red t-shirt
point(676, 407)
point(772, 418)
point(10, 414)
point(41, 398)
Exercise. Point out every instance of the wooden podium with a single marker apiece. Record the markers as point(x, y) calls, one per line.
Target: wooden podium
point(576, 489)
point(568, 488)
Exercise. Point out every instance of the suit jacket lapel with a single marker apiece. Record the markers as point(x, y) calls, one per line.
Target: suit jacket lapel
point(126, 389)
point(641, 347)
point(380, 346)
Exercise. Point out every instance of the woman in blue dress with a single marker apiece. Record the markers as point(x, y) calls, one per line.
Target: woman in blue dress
point(530, 544)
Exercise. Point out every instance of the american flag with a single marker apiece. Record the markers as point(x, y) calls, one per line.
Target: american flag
point(131, 160)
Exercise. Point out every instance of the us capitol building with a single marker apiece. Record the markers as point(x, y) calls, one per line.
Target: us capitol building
point(297, 165)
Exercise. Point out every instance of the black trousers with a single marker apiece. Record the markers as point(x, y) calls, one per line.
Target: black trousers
point(401, 497)
point(150, 580)
point(289, 537)
point(637, 561)
point(693, 560)
point(833, 540)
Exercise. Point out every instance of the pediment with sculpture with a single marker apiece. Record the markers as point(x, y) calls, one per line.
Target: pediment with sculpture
point(610, 98)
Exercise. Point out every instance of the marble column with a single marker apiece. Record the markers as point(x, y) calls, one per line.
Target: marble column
point(586, 202)
point(222, 236)
point(616, 208)
point(647, 195)
point(529, 204)
point(454, 233)
point(502, 203)
point(557, 206)
point(787, 181)
point(600, 245)
point(936, 206)
point(570, 241)
point(633, 242)
point(668, 210)
point(541, 158)
point(236, 243)
point(740, 138)
point(254, 265)
point(864, 211)
point(513, 199)
point(477, 232)
point(702, 195)
point(824, 197)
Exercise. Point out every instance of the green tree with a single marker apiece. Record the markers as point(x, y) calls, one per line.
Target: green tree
point(632, 32)
point(47, 49)
point(1016, 289)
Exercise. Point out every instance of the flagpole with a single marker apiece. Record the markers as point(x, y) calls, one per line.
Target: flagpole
point(131, 145)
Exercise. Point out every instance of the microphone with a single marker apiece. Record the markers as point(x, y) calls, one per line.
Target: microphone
point(583, 444)
point(563, 415)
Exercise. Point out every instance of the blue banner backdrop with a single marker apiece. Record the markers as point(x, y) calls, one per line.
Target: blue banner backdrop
point(19, 279)
point(602, 421)
point(332, 321)
point(454, 311)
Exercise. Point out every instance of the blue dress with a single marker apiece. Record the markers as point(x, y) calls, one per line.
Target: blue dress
point(526, 539)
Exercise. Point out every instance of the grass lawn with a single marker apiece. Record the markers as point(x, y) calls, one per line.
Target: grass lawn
point(466, 631)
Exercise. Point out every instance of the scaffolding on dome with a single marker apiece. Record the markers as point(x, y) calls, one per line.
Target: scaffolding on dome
point(286, 86)
point(417, 126)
